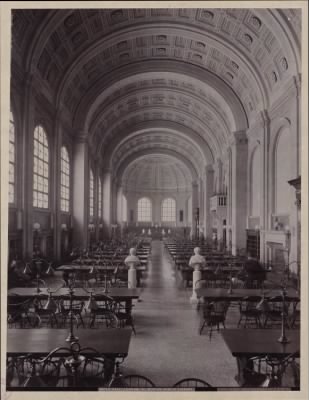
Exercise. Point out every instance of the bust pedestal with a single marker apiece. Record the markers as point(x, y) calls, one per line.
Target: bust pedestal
point(197, 275)
point(132, 282)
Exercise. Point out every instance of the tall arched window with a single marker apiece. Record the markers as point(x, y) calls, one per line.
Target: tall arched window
point(168, 210)
point(144, 210)
point(12, 160)
point(91, 193)
point(65, 180)
point(100, 198)
point(40, 168)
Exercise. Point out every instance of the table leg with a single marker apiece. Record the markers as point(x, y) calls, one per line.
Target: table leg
point(128, 306)
point(138, 278)
point(242, 364)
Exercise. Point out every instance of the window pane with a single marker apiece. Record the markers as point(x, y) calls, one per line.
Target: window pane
point(65, 180)
point(11, 159)
point(168, 210)
point(144, 210)
point(40, 168)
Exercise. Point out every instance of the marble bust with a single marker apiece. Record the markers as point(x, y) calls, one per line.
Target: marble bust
point(197, 260)
point(132, 260)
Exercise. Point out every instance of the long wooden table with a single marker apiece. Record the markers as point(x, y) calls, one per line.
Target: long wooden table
point(95, 261)
point(247, 343)
point(39, 342)
point(187, 272)
point(118, 294)
point(100, 268)
point(210, 294)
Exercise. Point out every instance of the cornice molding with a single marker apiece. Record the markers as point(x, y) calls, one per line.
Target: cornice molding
point(239, 138)
point(290, 92)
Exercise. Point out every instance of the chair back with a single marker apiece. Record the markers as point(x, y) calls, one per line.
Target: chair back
point(134, 381)
point(191, 383)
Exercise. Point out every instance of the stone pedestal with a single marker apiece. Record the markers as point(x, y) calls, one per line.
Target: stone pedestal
point(197, 275)
point(132, 281)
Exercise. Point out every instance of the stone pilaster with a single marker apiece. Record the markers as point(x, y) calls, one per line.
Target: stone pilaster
point(107, 202)
point(239, 146)
point(195, 205)
point(80, 193)
point(209, 181)
point(55, 198)
point(27, 181)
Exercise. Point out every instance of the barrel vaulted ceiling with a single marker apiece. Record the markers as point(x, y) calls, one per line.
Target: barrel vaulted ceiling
point(153, 172)
point(175, 82)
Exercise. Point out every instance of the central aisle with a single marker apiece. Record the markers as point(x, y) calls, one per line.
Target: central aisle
point(167, 346)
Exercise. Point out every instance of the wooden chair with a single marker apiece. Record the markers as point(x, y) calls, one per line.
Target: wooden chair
point(214, 314)
point(47, 316)
point(273, 314)
point(269, 371)
point(295, 315)
point(103, 311)
point(132, 381)
point(249, 311)
point(77, 310)
point(37, 373)
point(19, 314)
point(121, 276)
point(63, 368)
point(124, 315)
point(191, 383)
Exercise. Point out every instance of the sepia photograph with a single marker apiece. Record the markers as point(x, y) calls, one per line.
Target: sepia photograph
point(152, 178)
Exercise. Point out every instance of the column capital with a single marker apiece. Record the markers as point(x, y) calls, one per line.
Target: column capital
point(239, 138)
point(297, 83)
point(209, 168)
point(194, 183)
point(107, 171)
point(263, 118)
point(219, 161)
point(81, 137)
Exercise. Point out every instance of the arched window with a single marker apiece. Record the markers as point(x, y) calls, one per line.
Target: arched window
point(144, 210)
point(168, 210)
point(91, 193)
point(65, 180)
point(40, 168)
point(12, 160)
point(100, 198)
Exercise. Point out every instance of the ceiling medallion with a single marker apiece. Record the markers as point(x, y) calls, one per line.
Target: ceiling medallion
point(256, 22)
point(248, 39)
point(208, 14)
point(284, 64)
point(234, 65)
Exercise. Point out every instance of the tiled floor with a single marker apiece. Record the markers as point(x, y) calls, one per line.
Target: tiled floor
point(167, 346)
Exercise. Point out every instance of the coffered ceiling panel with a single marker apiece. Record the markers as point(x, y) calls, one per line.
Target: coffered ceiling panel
point(192, 73)
point(155, 173)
